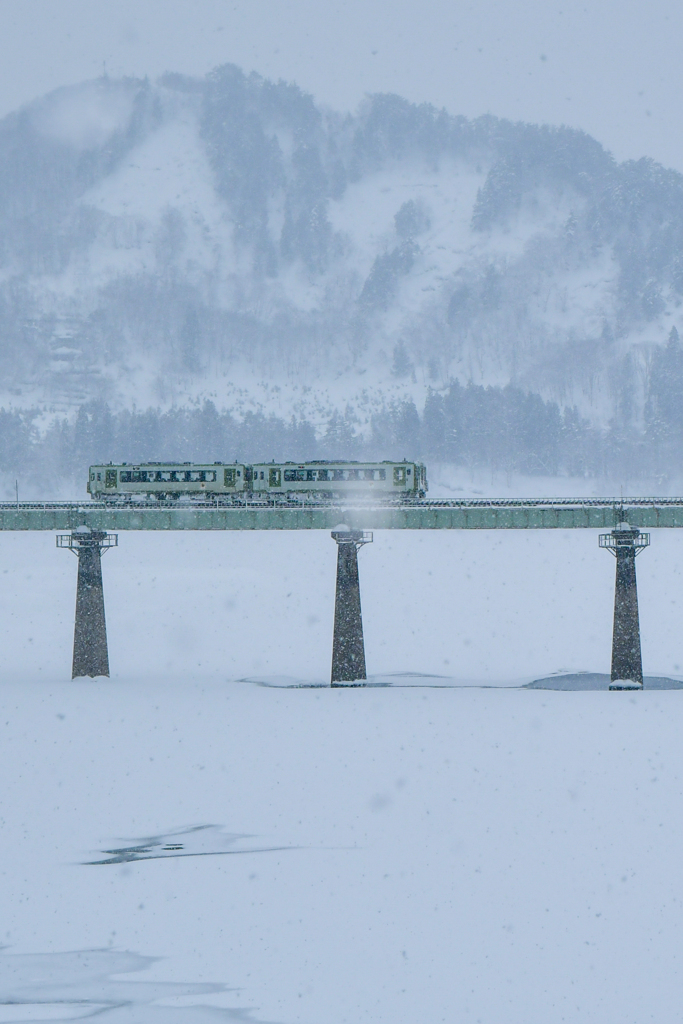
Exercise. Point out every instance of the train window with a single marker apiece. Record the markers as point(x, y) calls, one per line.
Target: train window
point(274, 478)
point(337, 474)
point(352, 474)
point(399, 475)
point(262, 474)
point(110, 478)
point(229, 477)
point(294, 476)
point(322, 474)
point(159, 476)
point(382, 474)
point(408, 472)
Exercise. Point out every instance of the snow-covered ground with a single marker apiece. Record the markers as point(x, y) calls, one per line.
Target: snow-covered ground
point(446, 848)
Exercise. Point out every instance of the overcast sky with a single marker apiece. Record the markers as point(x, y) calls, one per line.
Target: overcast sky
point(611, 67)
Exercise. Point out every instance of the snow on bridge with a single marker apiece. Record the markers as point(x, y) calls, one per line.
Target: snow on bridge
point(527, 514)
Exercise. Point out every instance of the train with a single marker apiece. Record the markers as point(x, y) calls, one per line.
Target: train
point(273, 482)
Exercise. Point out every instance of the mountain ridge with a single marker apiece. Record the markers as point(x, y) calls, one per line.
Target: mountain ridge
point(225, 239)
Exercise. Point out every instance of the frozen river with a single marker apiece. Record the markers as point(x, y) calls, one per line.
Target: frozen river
point(375, 855)
point(421, 852)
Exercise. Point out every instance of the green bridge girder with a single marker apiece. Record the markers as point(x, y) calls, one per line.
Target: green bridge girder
point(549, 514)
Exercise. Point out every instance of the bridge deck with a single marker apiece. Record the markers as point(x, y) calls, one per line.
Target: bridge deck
point(525, 514)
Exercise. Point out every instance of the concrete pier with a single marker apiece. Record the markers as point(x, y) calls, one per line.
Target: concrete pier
point(348, 649)
point(91, 656)
point(625, 542)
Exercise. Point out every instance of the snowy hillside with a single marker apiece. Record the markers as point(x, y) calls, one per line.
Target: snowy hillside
point(400, 280)
point(227, 239)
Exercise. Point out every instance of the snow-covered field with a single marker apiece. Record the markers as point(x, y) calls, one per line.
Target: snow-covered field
point(420, 852)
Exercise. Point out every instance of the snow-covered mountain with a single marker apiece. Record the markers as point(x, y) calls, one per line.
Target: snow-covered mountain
point(227, 239)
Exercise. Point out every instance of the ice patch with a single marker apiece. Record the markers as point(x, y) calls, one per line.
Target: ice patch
point(601, 681)
point(196, 841)
point(74, 985)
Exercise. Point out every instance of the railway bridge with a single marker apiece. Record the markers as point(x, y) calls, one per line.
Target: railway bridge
point(88, 528)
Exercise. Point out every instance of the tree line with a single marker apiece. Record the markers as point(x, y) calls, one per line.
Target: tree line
point(502, 428)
